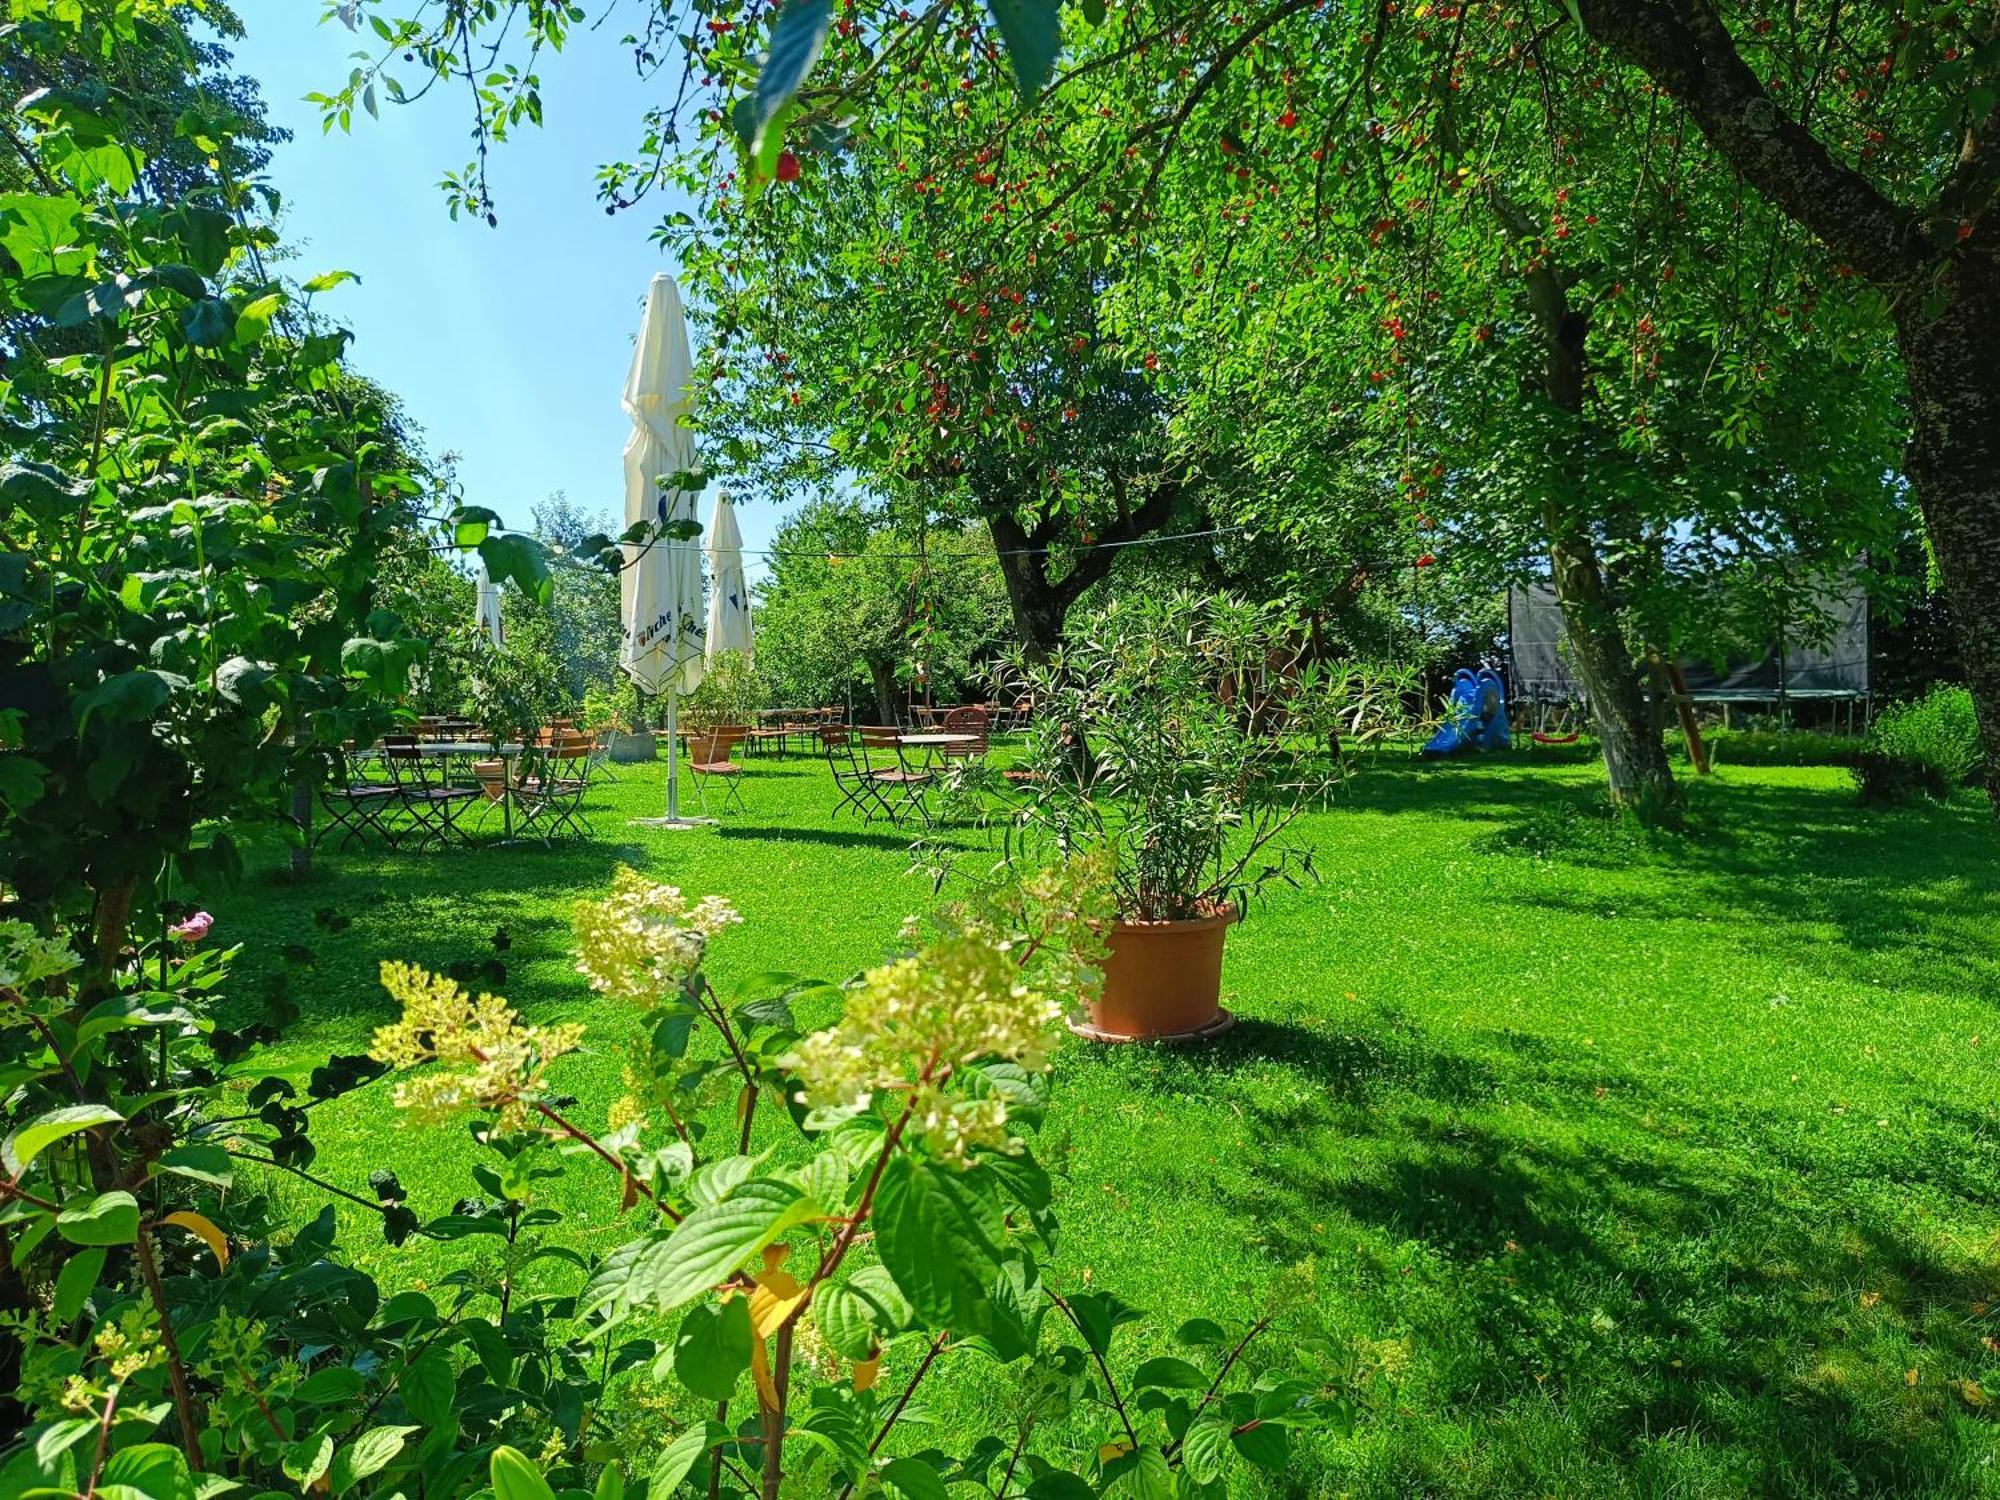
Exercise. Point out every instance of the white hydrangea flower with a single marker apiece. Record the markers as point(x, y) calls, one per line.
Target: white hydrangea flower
point(640, 942)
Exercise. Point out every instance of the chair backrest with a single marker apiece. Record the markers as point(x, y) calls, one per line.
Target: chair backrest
point(879, 736)
point(408, 767)
point(712, 747)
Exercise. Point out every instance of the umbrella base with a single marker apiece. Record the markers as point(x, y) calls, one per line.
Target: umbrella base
point(672, 823)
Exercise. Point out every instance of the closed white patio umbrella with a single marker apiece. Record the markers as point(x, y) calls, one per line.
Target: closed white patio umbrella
point(487, 609)
point(662, 598)
point(729, 627)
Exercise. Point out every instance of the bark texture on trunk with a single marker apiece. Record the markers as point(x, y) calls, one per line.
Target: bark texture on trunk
point(1635, 752)
point(1628, 731)
point(883, 678)
point(1952, 363)
point(1040, 600)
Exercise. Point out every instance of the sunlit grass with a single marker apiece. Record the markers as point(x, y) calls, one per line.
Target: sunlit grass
point(1622, 1163)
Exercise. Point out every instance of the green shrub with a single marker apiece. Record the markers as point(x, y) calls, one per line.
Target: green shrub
point(178, 1333)
point(1783, 747)
point(1928, 747)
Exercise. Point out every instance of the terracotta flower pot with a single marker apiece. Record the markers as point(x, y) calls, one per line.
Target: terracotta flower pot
point(1162, 982)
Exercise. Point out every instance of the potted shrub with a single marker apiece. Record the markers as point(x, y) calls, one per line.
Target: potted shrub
point(1184, 734)
point(729, 696)
point(631, 737)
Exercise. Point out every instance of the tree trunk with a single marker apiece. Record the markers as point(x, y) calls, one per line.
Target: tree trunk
point(301, 808)
point(1039, 606)
point(883, 676)
point(1635, 752)
point(1953, 462)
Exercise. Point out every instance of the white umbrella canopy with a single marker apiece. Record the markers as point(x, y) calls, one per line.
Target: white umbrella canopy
point(729, 626)
point(487, 609)
point(662, 578)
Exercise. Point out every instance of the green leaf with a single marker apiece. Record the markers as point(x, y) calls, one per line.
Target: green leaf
point(1265, 1445)
point(127, 696)
point(846, 1320)
point(307, 1459)
point(940, 1236)
point(713, 1349)
point(254, 319)
point(1032, 30)
point(471, 524)
point(515, 1478)
point(326, 281)
point(1199, 1332)
point(73, 1284)
point(42, 233)
point(1206, 1446)
point(159, 1471)
point(28, 1142)
point(1143, 1474)
point(333, 1384)
point(1169, 1373)
point(1014, 1311)
point(208, 323)
point(913, 1479)
point(522, 559)
point(1059, 1484)
point(893, 1313)
point(713, 1241)
point(209, 1164)
point(680, 1456)
point(795, 47)
point(108, 1219)
point(1093, 12)
point(365, 1455)
point(1102, 1315)
point(428, 1387)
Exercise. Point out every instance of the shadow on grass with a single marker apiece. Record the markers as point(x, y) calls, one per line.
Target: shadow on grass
point(1635, 1261)
point(843, 838)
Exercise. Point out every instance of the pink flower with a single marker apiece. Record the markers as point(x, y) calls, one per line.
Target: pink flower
point(193, 930)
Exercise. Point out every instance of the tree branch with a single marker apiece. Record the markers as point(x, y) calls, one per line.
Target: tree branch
point(1685, 48)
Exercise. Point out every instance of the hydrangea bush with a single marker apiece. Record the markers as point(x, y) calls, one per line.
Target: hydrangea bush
point(869, 1211)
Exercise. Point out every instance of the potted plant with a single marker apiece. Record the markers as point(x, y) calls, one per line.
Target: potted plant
point(1184, 734)
point(729, 696)
point(631, 736)
point(515, 690)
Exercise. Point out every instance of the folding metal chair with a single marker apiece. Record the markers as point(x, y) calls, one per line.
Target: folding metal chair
point(850, 772)
point(709, 760)
point(423, 791)
point(897, 788)
point(355, 803)
point(550, 786)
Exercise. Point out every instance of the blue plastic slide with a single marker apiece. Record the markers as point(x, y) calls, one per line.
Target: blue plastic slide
point(1475, 715)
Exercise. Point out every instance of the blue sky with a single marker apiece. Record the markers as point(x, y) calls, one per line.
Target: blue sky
point(507, 345)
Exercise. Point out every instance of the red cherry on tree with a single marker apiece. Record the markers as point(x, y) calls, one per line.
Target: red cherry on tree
point(788, 166)
point(1426, 560)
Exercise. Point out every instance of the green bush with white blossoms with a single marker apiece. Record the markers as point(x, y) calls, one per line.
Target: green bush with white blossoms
point(871, 1213)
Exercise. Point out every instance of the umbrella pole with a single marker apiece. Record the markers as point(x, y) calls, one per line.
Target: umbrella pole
point(673, 819)
point(673, 755)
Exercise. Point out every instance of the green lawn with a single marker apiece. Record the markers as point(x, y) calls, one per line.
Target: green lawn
point(1618, 1165)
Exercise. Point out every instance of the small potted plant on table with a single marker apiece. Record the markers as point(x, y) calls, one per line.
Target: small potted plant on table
point(1184, 734)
